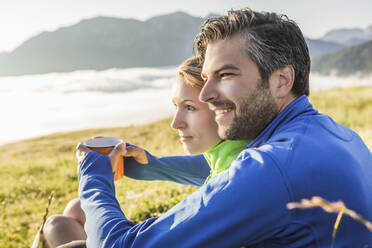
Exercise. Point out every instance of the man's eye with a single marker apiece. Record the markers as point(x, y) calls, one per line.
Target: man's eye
point(190, 108)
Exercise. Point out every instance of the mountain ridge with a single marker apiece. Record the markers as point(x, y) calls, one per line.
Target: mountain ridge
point(351, 60)
point(104, 42)
point(349, 36)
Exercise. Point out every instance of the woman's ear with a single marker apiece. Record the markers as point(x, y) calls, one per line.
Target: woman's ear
point(284, 79)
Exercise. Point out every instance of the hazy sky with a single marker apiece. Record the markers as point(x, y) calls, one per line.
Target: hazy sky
point(22, 19)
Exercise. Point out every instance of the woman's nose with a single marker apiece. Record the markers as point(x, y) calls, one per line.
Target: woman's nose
point(178, 122)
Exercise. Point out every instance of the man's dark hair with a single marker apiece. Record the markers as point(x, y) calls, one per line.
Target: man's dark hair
point(273, 41)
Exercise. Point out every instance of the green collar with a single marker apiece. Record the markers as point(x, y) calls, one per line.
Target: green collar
point(222, 155)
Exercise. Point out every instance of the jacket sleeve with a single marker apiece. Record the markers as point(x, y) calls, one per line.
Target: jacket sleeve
point(243, 206)
point(191, 170)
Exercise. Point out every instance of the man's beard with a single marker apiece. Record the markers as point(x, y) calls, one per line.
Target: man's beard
point(252, 115)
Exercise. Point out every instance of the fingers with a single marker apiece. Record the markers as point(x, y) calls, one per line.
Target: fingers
point(133, 151)
point(138, 154)
point(81, 152)
point(82, 148)
point(119, 150)
point(80, 156)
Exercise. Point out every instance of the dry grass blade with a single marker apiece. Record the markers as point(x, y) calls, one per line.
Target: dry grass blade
point(42, 238)
point(337, 223)
point(331, 207)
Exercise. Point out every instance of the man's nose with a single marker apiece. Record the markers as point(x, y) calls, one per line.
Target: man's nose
point(178, 122)
point(209, 92)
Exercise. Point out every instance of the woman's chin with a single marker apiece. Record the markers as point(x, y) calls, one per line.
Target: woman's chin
point(190, 149)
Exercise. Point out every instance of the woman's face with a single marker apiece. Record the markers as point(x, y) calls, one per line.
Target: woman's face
point(193, 119)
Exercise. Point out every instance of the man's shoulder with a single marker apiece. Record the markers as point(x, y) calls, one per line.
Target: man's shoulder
point(312, 142)
point(313, 133)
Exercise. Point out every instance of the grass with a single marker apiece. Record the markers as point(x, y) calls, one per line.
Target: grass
point(31, 169)
point(330, 207)
point(352, 107)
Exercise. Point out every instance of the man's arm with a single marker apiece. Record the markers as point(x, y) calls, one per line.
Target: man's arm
point(191, 170)
point(243, 206)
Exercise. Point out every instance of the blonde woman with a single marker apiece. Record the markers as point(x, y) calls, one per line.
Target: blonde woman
point(195, 123)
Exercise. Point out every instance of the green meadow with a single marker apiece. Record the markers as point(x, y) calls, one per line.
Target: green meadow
point(31, 169)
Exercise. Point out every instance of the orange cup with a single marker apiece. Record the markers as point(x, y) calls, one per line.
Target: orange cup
point(105, 145)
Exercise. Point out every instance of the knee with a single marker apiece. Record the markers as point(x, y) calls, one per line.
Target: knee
point(60, 229)
point(74, 210)
point(54, 222)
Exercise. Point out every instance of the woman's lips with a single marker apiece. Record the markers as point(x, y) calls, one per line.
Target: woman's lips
point(185, 138)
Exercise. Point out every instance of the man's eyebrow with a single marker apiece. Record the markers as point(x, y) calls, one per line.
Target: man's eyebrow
point(224, 67)
point(227, 67)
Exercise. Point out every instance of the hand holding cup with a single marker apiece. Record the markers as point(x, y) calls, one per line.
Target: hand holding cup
point(113, 147)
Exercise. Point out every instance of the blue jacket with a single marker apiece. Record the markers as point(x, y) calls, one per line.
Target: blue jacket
point(300, 154)
point(190, 170)
point(193, 170)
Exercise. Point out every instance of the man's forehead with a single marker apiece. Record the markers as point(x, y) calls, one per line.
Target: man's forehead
point(222, 53)
point(214, 58)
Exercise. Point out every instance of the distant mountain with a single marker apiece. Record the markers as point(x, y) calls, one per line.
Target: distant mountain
point(346, 61)
point(104, 42)
point(320, 47)
point(349, 36)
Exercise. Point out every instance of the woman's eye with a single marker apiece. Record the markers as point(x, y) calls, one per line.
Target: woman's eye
point(225, 74)
point(190, 108)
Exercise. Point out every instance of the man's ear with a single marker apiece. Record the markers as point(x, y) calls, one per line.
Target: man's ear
point(284, 79)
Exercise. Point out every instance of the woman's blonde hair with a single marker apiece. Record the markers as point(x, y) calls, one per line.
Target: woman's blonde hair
point(190, 71)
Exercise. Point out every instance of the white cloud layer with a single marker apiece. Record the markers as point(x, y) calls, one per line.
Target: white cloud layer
point(41, 104)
